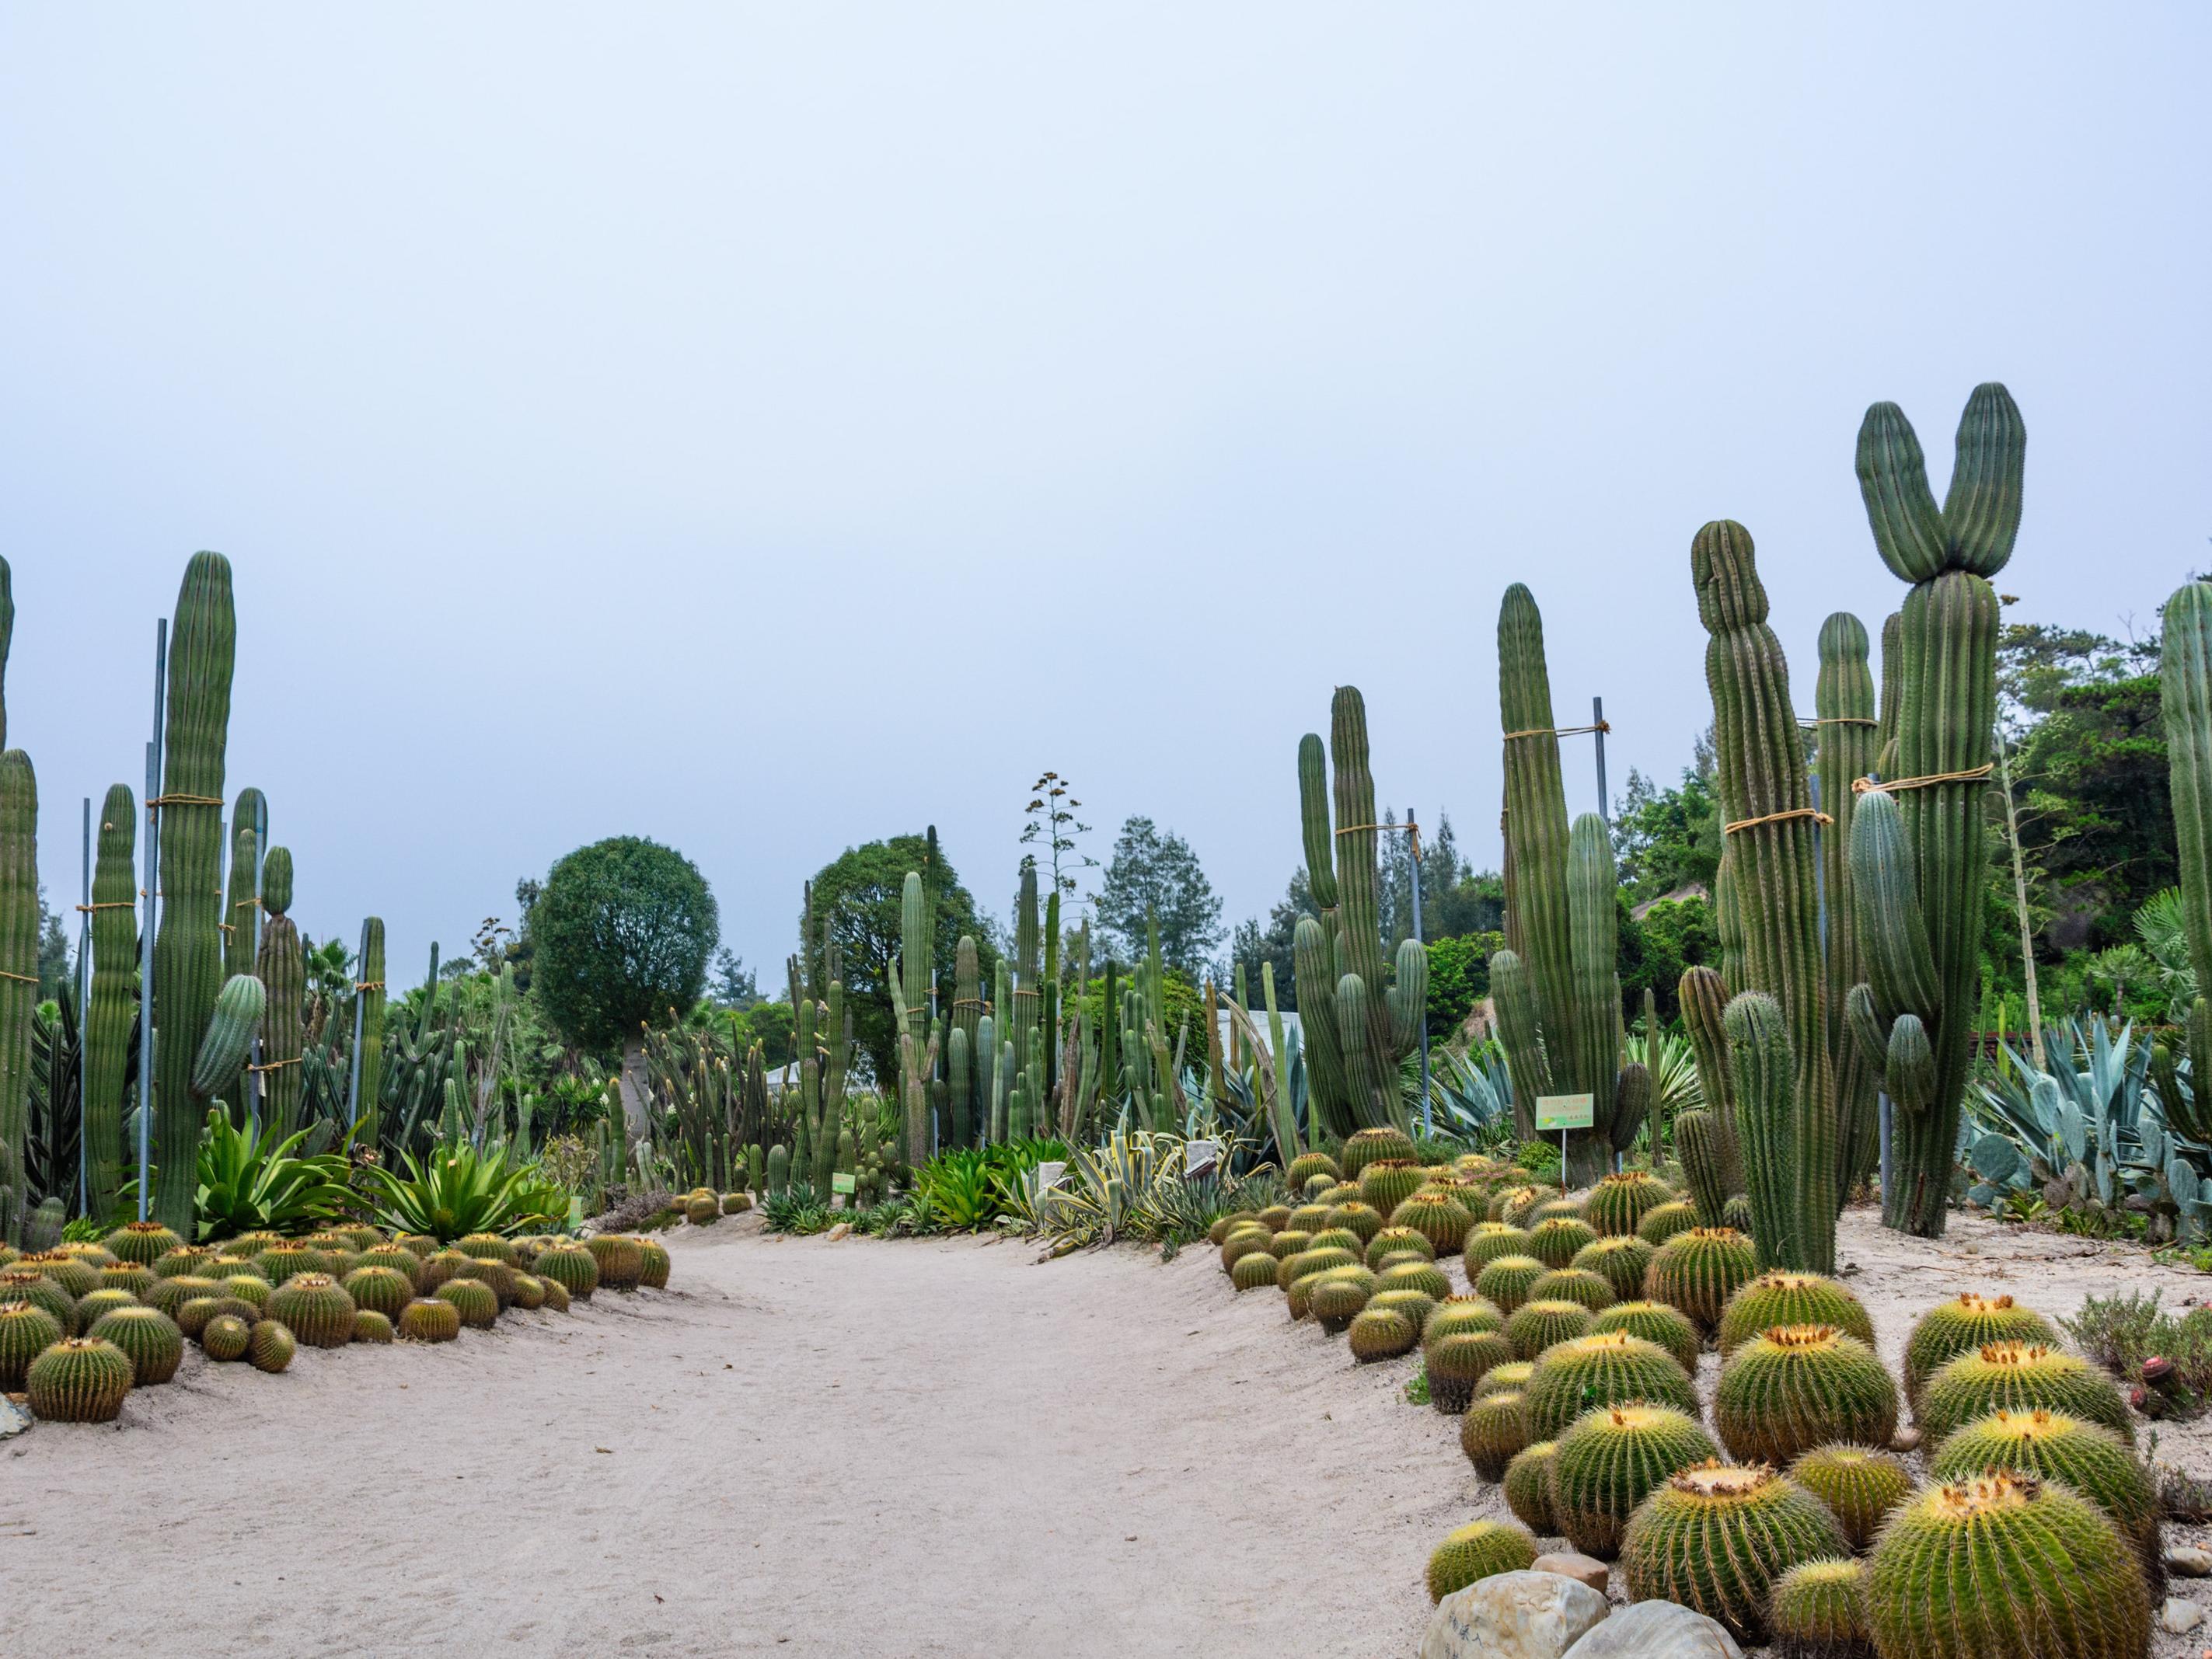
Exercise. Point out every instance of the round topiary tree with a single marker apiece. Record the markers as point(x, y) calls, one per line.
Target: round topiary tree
point(622, 934)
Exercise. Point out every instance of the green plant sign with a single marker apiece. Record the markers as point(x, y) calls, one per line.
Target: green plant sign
point(1565, 1111)
point(840, 1183)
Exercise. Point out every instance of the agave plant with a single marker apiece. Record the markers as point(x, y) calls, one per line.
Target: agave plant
point(1472, 1094)
point(248, 1184)
point(461, 1190)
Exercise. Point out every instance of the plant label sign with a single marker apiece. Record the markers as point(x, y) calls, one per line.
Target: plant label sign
point(1200, 1158)
point(1049, 1176)
point(1565, 1111)
point(843, 1184)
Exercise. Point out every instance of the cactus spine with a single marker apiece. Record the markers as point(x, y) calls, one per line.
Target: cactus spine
point(1765, 799)
point(283, 970)
point(1932, 901)
point(115, 1009)
point(188, 943)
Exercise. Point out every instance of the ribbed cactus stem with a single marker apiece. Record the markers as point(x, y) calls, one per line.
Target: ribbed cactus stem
point(969, 1107)
point(241, 916)
point(1703, 999)
point(1765, 799)
point(1536, 808)
point(18, 983)
point(371, 990)
point(114, 1008)
point(188, 944)
point(1944, 710)
point(1759, 1048)
point(1843, 703)
point(2186, 689)
point(1313, 958)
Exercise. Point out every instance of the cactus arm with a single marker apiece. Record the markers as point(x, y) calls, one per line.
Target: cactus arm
point(2185, 695)
point(1703, 1002)
point(1313, 961)
point(1594, 945)
point(1908, 527)
point(229, 1037)
point(1513, 991)
point(1766, 1113)
point(1373, 1080)
point(1313, 822)
point(1909, 1072)
point(1358, 887)
point(1981, 509)
point(1631, 1104)
point(114, 1010)
point(1843, 699)
point(1408, 997)
point(1893, 934)
point(1868, 1029)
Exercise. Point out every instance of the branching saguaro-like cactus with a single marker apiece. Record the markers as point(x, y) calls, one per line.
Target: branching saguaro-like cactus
point(188, 953)
point(1849, 739)
point(283, 971)
point(1359, 1020)
point(115, 1010)
point(1557, 989)
point(1919, 854)
point(1771, 826)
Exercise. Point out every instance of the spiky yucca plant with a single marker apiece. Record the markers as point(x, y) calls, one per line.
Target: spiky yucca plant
point(2019, 1376)
point(1493, 1430)
point(1655, 1322)
point(1478, 1551)
point(1860, 1483)
point(1783, 1296)
point(1715, 1537)
point(2004, 1564)
point(1580, 1373)
point(1967, 1321)
point(1610, 1460)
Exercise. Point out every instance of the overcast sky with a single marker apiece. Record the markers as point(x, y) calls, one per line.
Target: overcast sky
point(771, 428)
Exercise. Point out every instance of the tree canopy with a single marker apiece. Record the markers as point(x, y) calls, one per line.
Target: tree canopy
point(621, 933)
point(858, 893)
point(1153, 873)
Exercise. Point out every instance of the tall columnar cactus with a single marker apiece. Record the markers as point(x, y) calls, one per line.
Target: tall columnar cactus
point(188, 943)
point(1356, 1033)
point(1557, 991)
point(241, 917)
point(114, 1012)
point(1848, 741)
point(1928, 864)
point(1029, 968)
point(2185, 688)
point(370, 990)
point(967, 1020)
point(1706, 1137)
point(1771, 828)
point(18, 983)
point(281, 968)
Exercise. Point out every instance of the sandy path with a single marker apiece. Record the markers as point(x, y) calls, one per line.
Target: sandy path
point(930, 1448)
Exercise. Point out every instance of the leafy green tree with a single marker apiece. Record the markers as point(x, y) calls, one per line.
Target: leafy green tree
point(858, 892)
point(733, 984)
point(54, 981)
point(1154, 872)
point(1668, 839)
point(1459, 978)
point(623, 930)
point(1671, 935)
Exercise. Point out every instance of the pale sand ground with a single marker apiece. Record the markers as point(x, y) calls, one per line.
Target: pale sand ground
point(858, 1447)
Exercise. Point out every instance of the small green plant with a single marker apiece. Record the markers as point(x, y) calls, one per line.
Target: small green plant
point(1417, 1387)
point(248, 1183)
point(462, 1190)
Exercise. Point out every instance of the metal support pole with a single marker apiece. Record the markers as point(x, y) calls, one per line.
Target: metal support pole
point(83, 1015)
point(1428, 1108)
point(1597, 725)
point(152, 868)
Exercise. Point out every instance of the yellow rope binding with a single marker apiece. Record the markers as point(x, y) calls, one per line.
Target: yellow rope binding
point(275, 1065)
point(21, 979)
point(112, 904)
point(1560, 731)
point(1971, 774)
point(1812, 812)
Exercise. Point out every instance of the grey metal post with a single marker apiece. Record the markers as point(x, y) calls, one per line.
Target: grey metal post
point(1598, 725)
point(152, 868)
point(1428, 1110)
point(353, 1078)
point(83, 1015)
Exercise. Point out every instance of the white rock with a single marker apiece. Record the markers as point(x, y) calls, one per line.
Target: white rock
point(2187, 1561)
point(2180, 1617)
point(1656, 1629)
point(1513, 1615)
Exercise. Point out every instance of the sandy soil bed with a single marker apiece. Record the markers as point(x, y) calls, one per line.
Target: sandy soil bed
point(922, 1448)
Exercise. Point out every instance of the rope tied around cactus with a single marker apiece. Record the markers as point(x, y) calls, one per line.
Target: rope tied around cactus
point(111, 904)
point(184, 800)
point(1812, 812)
point(368, 985)
point(1841, 720)
point(21, 979)
point(275, 1065)
point(1971, 774)
point(1560, 731)
point(968, 1002)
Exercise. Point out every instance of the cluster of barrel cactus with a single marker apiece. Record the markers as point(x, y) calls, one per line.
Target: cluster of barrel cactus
point(1817, 1535)
point(81, 1325)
